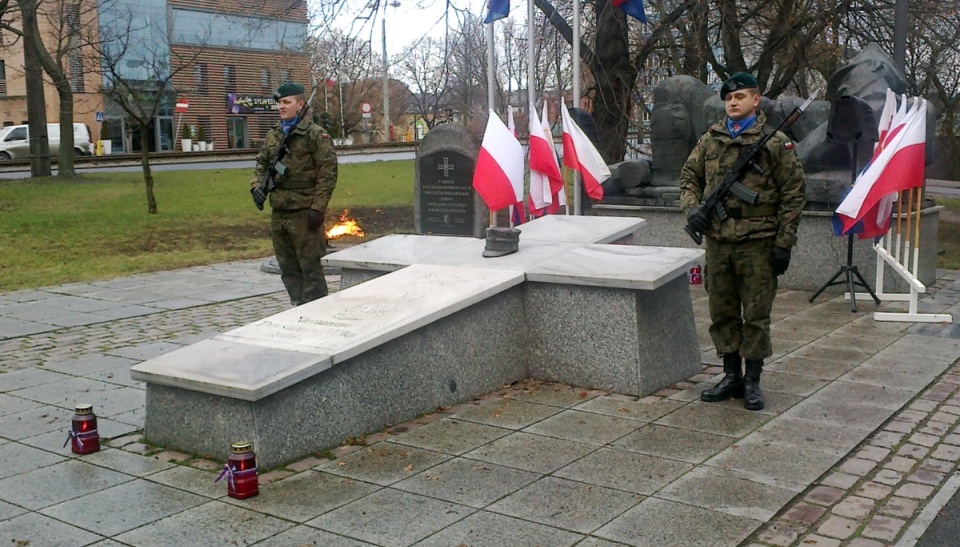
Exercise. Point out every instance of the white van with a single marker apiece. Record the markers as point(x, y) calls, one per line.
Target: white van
point(15, 140)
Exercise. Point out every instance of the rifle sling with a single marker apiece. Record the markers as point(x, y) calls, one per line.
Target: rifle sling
point(750, 211)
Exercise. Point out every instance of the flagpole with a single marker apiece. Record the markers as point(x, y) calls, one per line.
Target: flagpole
point(576, 94)
point(491, 82)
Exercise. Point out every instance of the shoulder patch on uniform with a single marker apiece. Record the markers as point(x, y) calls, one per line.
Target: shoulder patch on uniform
point(325, 135)
point(788, 145)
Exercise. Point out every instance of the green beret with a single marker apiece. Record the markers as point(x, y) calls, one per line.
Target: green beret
point(288, 89)
point(740, 80)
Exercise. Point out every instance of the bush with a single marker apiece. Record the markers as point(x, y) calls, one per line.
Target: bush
point(201, 134)
point(187, 132)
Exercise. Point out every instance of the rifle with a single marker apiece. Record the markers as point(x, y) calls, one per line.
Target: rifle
point(731, 182)
point(276, 167)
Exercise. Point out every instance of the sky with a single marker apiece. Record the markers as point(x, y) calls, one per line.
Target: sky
point(407, 22)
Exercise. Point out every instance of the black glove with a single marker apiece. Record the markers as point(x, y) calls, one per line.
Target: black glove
point(780, 260)
point(259, 198)
point(697, 221)
point(314, 220)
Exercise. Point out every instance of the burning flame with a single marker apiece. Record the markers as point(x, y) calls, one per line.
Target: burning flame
point(346, 227)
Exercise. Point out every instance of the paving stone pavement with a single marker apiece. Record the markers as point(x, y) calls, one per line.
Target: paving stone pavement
point(861, 433)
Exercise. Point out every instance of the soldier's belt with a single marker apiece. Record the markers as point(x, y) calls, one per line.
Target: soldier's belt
point(750, 211)
point(297, 184)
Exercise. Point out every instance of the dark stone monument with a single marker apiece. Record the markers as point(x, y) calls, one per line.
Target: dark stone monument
point(444, 201)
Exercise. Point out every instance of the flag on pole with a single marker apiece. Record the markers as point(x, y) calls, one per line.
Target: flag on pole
point(545, 178)
point(497, 9)
point(897, 165)
point(498, 176)
point(511, 125)
point(557, 187)
point(580, 155)
point(633, 8)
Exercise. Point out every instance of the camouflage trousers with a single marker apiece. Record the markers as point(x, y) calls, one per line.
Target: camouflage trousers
point(298, 253)
point(741, 288)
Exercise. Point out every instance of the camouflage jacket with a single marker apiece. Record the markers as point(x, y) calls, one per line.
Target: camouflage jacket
point(311, 173)
point(781, 186)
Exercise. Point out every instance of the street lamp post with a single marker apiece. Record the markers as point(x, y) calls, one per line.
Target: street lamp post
point(386, 76)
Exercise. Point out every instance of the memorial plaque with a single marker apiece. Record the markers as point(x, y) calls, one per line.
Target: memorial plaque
point(445, 202)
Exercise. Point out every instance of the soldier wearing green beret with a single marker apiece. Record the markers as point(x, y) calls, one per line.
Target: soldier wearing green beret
point(300, 197)
point(746, 252)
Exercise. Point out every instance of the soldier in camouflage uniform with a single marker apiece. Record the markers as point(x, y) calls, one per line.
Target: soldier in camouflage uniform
point(299, 200)
point(746, 252)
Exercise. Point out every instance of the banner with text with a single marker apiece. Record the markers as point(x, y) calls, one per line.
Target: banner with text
point(250, 104)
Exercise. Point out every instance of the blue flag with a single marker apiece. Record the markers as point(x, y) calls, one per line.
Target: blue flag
point(633, 8)
point(498, 9)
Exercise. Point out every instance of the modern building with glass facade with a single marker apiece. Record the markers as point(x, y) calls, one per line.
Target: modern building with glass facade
point(223, 59)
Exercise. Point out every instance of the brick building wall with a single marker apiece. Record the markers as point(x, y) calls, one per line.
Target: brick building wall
point(255, 74)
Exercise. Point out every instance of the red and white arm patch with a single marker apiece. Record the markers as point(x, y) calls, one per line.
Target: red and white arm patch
point(788, 145)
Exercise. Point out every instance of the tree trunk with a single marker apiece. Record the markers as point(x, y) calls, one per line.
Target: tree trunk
point(36, 105)
point(615, 78)
point(145, 162)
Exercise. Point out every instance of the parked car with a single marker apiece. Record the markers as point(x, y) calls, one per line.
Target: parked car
point(15, 140)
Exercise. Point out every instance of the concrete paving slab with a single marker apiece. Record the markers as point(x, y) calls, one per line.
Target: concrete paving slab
point(451, 436)
point(8, 511)
point(118, 376)
point(51, 442)
point(111, 402)
point(66, 393)
point(34, 422)
point(145, 351)
point(391, 517)
point(794, 384)
point(483, 528)
point(852, 414)
point(113, 429)
point(779, 462)
point(888, 397)
point(722, 491)
point(10, 404)
point(134, 418)
point(305, 496)
point(28, 377)
point(15, 327)
point(467, 482)
point(660, 522)
point(58, 483)
point(191, 480)
point(674, 443)
point(640, 410)
point(551, 395)
point(89, 363)
point(383, 463)
point(584, 427)
point(883, 377)
point(123, 507)
point(849, 355)
point(801, 433)
point(814, 368)
point(37, 529)
point(213, 523)
point(508, 414)
point(629, 471)
point(126, 462)
point(717, 419)
point(16, 458)
point(305, 536)
point(566, 504)
point(531, 452)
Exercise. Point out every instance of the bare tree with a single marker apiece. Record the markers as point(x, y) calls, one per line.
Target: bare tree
point(138, 71)
point(352, 67)
point(425, 67)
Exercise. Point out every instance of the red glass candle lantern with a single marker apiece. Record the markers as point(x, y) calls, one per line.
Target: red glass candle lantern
point(696, 275)
point(83, 436)
point(241, 471)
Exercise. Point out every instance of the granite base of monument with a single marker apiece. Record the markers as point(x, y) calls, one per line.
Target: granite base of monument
point(394, 382)
point(818, 254)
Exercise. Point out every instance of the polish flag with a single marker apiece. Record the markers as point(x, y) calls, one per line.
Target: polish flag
point(580, 155)
point(898, 165)
point(498, 176)
point(544, 168)
point(511, 125)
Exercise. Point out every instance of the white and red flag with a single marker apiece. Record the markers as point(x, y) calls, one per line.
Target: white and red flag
point(545, 178)
point(897, 165)
point(511, 125)
point(498, 176)
point(580, 155)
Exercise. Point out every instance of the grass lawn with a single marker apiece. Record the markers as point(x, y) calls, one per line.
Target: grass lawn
point(97, 226)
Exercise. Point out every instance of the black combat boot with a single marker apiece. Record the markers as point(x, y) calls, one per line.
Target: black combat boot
point(732, 383)
point(752, 396)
